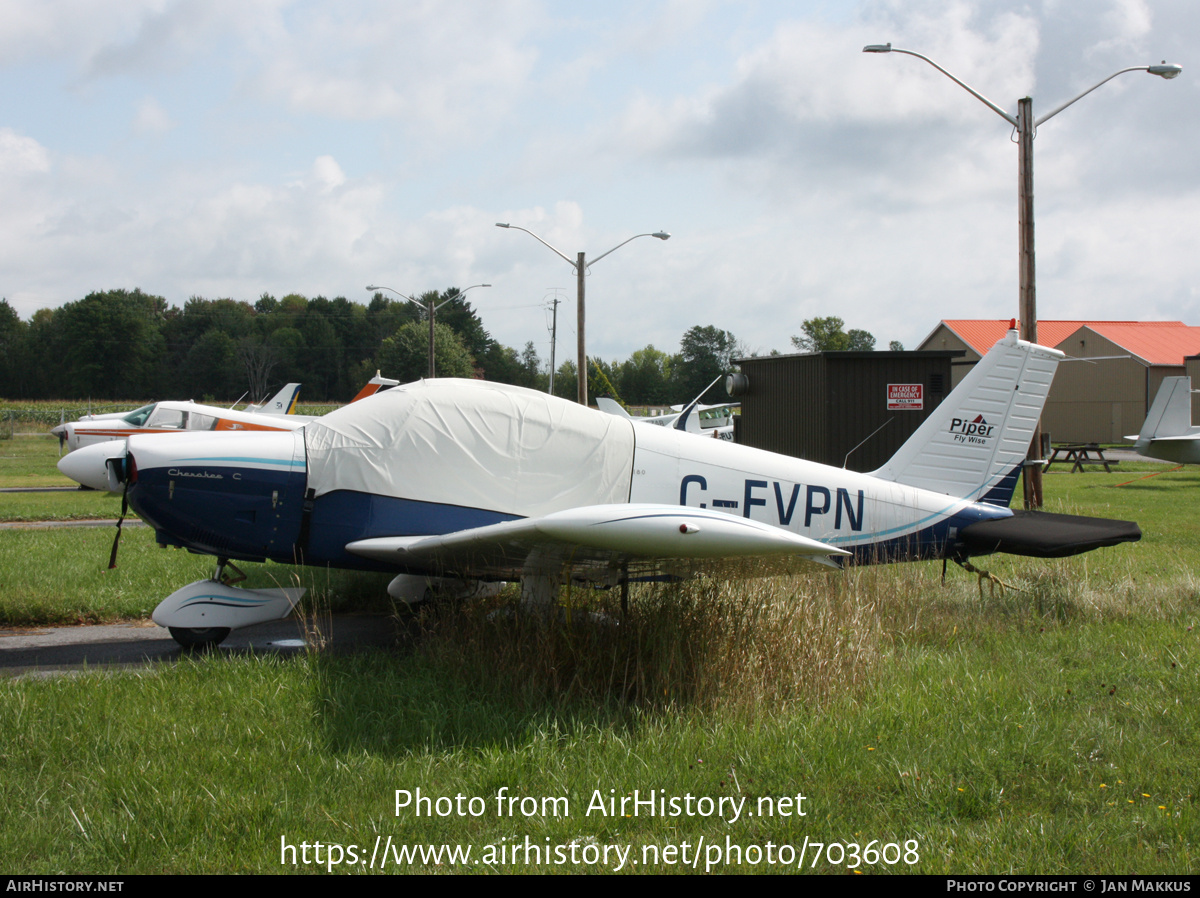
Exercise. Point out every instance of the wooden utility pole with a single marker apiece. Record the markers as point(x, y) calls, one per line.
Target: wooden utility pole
point(1032, 475)
point(431, 311)
point(581, 361)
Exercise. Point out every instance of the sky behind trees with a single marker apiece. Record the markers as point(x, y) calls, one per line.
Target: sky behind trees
point(219, 149)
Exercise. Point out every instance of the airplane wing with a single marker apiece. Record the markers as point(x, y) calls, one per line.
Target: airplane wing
point(595, 541)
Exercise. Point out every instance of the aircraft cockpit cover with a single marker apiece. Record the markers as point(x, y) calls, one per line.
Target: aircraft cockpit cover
point(473, 444)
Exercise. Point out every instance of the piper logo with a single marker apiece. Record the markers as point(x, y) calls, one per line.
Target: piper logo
point(976, 430)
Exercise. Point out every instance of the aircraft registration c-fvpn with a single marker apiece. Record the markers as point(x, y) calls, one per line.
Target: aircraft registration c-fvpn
point(483, 482)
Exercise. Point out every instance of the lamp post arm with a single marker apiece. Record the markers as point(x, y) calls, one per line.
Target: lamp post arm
point(374, 288)
point(1057, 110)
point(622, 243)
point(458, 295)
point(1011, 119)
point(538, 239)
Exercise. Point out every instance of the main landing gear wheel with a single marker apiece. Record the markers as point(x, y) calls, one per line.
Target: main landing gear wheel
point(199, 637)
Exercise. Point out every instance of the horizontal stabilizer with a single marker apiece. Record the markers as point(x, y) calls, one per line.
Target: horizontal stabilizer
point(1040, 534)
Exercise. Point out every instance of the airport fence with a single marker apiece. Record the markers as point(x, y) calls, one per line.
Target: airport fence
point(41, 416)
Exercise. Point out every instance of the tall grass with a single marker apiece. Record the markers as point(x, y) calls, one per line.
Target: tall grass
point(1050, 728)
point(699, 644)
point(743, 645)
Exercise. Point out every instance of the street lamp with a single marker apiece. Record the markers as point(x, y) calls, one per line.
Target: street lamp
point(1026, 126)
point(431, 310)
point(581, 265)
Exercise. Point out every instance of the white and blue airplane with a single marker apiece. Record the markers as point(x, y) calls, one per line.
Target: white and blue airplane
point(458, 481)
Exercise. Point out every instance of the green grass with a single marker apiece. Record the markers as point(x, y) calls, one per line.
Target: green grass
point(29, 461)
point(1003, 757)
point(72, 505)
point(1049, 730)
point(61, 576)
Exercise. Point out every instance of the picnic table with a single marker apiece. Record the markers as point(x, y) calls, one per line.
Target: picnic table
point(1080, 454)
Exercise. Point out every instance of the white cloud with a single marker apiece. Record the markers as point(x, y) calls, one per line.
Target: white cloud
point(151, 119)
point(37, 30)
point(812, 76)
point(20, 155)
point(441, 65)
point(1126, 23)
point(327, 174)
point(317, 148)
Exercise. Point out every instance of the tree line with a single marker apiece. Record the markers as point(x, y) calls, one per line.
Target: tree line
point(126, 344)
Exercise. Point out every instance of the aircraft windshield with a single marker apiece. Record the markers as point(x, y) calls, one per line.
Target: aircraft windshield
point(166, 417)
point(138, 416)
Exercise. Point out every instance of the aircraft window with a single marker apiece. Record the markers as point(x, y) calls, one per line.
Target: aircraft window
point(166, 417)
point(138, 416)
point(197, 421)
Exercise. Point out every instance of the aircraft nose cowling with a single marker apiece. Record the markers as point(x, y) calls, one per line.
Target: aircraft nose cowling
point(88, 466)
point(66, 436)
point(236, 495)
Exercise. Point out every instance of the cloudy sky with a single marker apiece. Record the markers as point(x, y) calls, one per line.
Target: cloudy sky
point(226, 148)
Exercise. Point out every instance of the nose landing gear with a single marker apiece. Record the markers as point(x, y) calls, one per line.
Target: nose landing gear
point(202, 614)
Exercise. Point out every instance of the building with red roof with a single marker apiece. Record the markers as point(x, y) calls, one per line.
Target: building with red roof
point(1102, 400)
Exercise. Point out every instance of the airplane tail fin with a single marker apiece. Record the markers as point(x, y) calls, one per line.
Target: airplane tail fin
point(973, 444)
point(376, 384)
point(1171, 413)
point(282, 403)
point(611, 406)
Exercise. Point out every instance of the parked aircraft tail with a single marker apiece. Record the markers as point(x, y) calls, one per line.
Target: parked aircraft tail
point(612, 407)
point(1171, 413)
point(282, 403)
point(974, 443)
point(376, 384)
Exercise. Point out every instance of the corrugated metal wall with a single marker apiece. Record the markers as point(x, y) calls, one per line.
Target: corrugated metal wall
point(945, 339)
point(820, 406)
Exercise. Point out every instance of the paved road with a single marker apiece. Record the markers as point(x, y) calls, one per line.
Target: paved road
point(54, 649)
point(56, 525)
point(41, 489)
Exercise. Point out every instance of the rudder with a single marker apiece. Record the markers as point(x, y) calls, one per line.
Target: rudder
point(974, 443)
